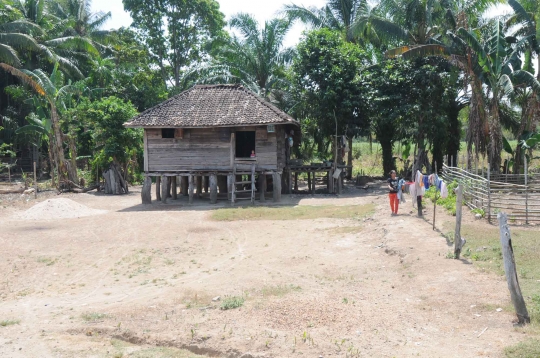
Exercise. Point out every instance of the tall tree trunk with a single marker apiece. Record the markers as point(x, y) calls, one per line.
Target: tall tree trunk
point(350, 159)
point(72, 170)
point(57, 145)
point(454, 141)
point(387, 145)
point(437, 155)
point(51, 159)
point(495, 136)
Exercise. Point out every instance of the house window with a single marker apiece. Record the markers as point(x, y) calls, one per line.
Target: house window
point(245, 144)
point(167, 133)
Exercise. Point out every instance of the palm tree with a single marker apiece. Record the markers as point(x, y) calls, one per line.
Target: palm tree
point(360, 21)
point(256, 58)
point(40, 128)
point(56, 47)
point(336, 15)
point(52, 90)
point(17, 36)
point(444, 42)
point(79, 20)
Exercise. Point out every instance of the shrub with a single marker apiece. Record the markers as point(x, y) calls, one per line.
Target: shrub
point(449, 203)
point(232, 302)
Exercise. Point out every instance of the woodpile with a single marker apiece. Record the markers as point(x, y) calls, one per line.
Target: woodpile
point(115, 182)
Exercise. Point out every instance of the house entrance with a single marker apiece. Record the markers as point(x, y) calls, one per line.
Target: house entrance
point(245, 144)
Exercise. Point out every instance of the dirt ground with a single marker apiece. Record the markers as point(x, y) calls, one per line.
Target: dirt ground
point(136, 281)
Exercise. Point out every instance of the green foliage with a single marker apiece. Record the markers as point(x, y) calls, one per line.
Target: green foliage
point(449, 203)
point(404, 101)
point(105, 120)
point(325, 76)
point(479, 211)
point(177, 32)
point(6, 150)
point(257, 58)
point(232, 302)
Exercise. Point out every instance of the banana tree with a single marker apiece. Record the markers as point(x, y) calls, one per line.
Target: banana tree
point(50, 89)
point(498, 66)
point(40, 129)
point(527, 142)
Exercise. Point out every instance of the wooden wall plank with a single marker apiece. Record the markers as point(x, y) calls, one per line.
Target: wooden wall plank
point(204, 148)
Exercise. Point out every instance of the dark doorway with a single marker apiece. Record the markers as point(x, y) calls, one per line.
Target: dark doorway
point(245, 143)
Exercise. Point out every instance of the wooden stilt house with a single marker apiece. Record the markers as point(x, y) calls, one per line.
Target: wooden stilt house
point(221, 137)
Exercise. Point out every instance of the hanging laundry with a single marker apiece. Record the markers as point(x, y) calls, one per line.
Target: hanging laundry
point(400, 195)
point(420, 189)
point(444, 190)
point(426, 182)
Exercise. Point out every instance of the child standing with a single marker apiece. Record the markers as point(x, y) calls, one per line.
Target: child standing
point(393, 182)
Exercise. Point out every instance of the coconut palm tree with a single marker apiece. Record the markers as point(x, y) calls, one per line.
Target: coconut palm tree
point(56, 47)
point(360, 21)
point(79, 20)
point(16, 36)
point(53, 92)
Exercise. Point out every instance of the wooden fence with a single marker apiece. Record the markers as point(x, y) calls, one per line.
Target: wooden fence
point(516, 195)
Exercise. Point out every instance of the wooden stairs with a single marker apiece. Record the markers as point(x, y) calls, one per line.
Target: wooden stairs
point(251, 174)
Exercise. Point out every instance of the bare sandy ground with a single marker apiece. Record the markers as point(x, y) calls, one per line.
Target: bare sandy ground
point(375, 287)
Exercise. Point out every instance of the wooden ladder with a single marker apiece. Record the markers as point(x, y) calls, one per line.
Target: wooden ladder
point(251, 181)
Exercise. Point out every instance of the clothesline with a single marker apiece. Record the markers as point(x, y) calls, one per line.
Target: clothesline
point(424, 182)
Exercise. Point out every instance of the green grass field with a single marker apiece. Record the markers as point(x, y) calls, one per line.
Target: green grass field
point(368, 159)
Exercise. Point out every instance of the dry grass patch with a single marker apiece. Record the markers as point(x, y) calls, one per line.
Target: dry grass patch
point(201, 230)
point(196, 299)
point(300, 212)
point(125, 350)
point(483, 248)
point(93, 316)
point(279, 290)
point(345, 230)
point(9, 322)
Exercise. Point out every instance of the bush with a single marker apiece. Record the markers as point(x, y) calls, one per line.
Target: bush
point(449, 203)
point(232, 302)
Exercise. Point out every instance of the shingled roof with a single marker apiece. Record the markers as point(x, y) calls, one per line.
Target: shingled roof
point(212, 106)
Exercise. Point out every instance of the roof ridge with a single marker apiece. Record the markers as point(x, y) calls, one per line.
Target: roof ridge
point(198, 107)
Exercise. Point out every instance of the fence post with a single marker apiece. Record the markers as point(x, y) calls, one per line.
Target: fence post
point(510, 270)
point(488, 193)
point(436, 192)
point(457, 232)
point(526, 192)
point(36, 186)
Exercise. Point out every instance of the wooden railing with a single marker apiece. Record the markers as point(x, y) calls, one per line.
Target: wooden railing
point(521, 202)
